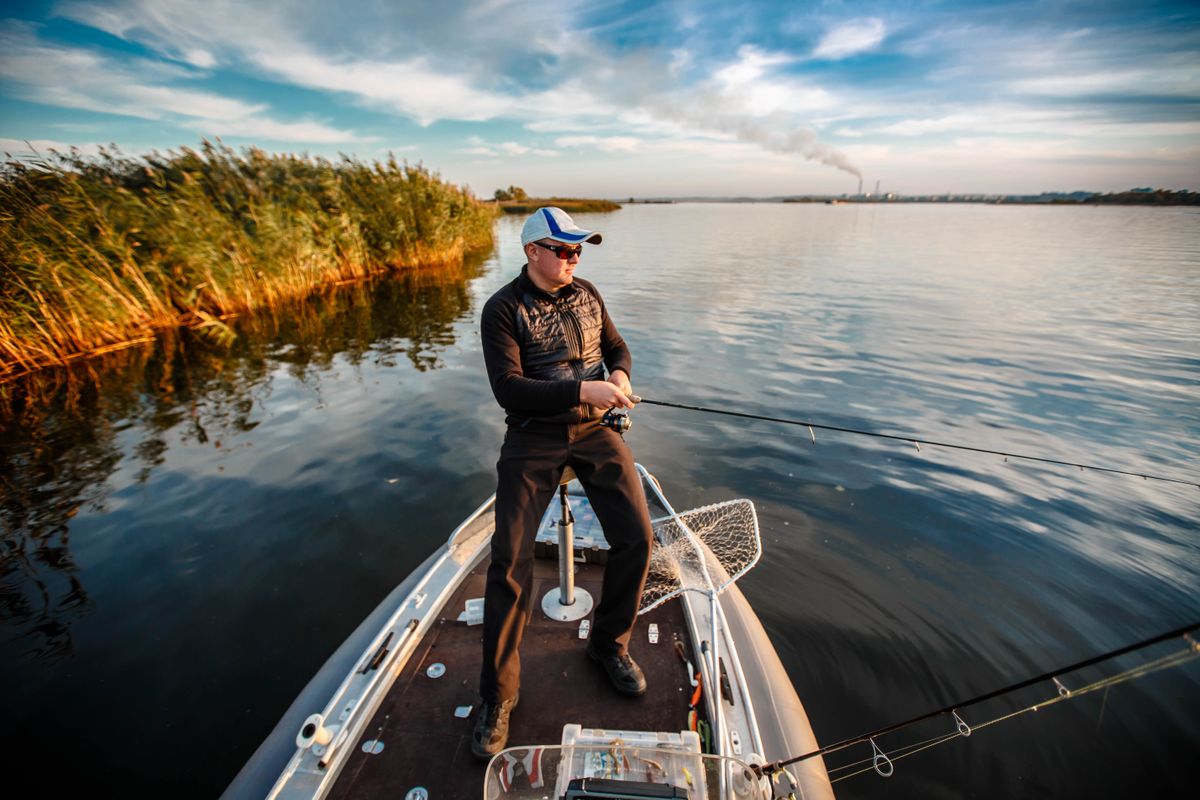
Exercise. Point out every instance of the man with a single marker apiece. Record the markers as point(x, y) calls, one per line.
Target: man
point(547, 339)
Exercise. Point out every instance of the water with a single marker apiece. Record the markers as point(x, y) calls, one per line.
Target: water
point(191, 528)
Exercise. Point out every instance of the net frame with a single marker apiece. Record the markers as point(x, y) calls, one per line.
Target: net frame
point(705, 549)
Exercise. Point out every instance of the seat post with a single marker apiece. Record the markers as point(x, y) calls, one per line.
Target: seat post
point(566, 551)
point(564, 602)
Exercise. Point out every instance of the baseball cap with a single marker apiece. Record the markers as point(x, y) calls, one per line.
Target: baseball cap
point(554, 223)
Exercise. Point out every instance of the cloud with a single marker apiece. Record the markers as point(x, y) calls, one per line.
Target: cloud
point(657, 86)
point(682, 148)
point(850, 38)
point(259, 127)
point(72, 77)
point(991, 120)
point(35, 148)
point(750, 82)
point(744, 100)
point(514, 61)
point(1162, 79)
point(750, 67)
point(414, 59)
point(480, 147)
point(982, 119)
point(1026, 61)
point(608, 144)
point(642, 83)
point(410, 87)
point(200, 58)
point(518, 149)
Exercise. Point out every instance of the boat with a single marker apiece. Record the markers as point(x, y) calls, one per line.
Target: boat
point(391, 712)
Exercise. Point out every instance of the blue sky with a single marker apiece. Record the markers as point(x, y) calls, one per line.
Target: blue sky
point(619, 98)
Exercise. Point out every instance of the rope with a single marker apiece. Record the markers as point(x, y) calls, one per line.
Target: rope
point(1165, 662)
point(918, 441)
point(954, 707)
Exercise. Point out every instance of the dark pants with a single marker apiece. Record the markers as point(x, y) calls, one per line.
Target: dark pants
point(531, 463)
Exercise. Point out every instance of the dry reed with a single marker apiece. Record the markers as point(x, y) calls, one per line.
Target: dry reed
point(99, 251)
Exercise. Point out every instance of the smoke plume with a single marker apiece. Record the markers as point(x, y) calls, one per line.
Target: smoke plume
point(800, 141)
point(774, 133)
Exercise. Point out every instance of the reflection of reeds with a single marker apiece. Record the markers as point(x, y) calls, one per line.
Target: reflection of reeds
point(66, 430)
point(98, 252)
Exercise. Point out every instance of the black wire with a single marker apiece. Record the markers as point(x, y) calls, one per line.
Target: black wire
point(842, 745)
point(911, 439)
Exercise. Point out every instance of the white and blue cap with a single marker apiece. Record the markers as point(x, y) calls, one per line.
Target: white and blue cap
point(554, 223)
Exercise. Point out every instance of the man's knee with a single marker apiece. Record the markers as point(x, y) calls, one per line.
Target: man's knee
point(645, 546)
point(635, 543)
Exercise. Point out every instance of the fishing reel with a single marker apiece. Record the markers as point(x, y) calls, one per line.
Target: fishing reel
point(618, 421)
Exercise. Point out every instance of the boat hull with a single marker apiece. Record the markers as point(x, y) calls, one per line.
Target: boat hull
point(262, 770)
point(360, 687)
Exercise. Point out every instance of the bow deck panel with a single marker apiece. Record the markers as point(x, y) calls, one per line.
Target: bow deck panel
point(424, 744)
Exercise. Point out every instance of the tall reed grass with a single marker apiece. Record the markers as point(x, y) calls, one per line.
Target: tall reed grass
point(95, 252)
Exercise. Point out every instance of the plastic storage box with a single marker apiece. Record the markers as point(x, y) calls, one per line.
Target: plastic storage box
point(647, 756)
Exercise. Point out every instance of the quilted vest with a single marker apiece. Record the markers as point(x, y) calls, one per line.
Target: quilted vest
point(560, 336)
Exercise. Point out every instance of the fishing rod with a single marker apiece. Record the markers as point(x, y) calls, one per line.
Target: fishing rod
point(882, 763)
point(913, 440)
point(963, 729)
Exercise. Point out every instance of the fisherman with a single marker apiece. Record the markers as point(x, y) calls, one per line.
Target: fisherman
point(548, 342)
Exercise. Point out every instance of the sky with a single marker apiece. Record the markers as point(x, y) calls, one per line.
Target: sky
point(631, 99)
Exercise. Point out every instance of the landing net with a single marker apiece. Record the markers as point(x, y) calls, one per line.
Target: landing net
point(705, 549)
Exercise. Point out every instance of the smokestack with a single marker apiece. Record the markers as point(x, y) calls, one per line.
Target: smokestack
point(860, 185)
point(877, 188)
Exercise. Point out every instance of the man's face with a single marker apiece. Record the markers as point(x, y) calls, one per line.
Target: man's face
point(547, 269)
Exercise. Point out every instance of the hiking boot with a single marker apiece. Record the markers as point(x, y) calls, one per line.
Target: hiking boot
point(491, 728)
point(624, 673)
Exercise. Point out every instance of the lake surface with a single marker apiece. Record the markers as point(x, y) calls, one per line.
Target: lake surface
point(191, 528)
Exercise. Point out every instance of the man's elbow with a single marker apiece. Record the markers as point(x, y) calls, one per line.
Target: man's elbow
point(505, 387)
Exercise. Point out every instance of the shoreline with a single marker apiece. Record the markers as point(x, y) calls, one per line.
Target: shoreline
point(572, 205)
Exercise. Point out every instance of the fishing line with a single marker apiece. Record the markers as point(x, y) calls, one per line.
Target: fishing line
point(1166, 662)
point(915, 441)
point(1064, 693)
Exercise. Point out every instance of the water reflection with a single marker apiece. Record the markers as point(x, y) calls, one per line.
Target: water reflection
point(263, 496)
point(66, 429)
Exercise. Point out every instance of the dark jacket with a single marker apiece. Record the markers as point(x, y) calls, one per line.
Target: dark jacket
point(539, 349)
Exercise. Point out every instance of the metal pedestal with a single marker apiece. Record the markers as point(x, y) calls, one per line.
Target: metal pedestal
point(566, 603)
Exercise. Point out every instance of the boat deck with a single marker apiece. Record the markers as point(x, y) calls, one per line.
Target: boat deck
point(425, 744)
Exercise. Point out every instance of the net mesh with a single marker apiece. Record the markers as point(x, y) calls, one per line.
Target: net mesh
point(728, 533)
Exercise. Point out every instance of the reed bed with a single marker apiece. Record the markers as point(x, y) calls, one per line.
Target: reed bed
point(96, 252)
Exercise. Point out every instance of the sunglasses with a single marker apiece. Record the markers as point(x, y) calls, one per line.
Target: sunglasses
point(563, 251)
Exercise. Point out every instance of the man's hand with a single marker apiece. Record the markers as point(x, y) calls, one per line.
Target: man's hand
point(619, 379)
point(603, 394)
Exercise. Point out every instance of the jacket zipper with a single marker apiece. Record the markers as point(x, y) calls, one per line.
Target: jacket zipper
point(576, 363)
point(578, 340)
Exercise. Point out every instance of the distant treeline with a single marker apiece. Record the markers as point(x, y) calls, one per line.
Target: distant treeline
point(1136, 197)
point(1146, 197)
point(95, 252)
point(571, 205)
